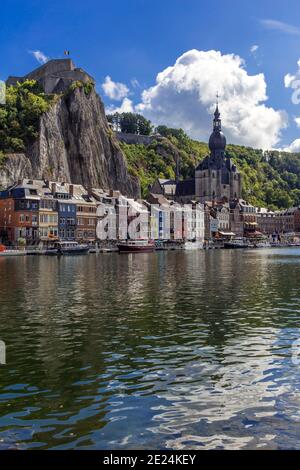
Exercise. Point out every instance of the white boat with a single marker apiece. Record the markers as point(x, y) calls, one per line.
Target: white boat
point(9, 252)
point(197, 245)
point(67, 248)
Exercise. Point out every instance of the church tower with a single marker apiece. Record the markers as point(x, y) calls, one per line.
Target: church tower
point(216, 177)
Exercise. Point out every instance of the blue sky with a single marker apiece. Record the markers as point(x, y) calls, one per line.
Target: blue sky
point(137, 39)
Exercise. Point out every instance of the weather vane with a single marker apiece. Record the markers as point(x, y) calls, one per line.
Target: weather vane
point(217, 96)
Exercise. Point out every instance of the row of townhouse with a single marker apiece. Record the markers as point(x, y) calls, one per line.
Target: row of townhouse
point(279, 222)
point(222, 218)
point(39, 211)
point(227, 220)
point(242, 219)
point(43, 211)
point(174, 221)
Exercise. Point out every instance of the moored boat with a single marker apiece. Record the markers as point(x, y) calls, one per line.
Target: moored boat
point(67, 248)
point(136, 246)
point(236, 243)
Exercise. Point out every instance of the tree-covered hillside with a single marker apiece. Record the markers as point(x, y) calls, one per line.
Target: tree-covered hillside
point(270, 179)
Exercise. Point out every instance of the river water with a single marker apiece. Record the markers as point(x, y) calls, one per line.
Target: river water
point(172, 350)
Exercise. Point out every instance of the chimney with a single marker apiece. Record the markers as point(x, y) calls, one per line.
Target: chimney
point(71, 190)
point(89, 190)
point(53, 188)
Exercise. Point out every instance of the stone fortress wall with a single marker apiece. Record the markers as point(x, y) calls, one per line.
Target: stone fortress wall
point(55, 76)
point(136, 138)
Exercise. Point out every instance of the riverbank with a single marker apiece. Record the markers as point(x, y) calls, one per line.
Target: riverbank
point(166, 247)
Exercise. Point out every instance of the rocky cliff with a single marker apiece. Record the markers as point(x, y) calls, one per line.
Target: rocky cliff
point(75, 144)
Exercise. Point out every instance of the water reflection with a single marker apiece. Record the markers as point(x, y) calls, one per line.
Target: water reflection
point(167, 350)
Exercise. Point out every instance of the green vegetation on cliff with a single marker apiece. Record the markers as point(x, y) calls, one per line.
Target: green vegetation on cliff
point(19, 117)
point(78, 84)
point(158, 160)
point(270, 179)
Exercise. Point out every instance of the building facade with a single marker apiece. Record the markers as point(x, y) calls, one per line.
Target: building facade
point(19, 213)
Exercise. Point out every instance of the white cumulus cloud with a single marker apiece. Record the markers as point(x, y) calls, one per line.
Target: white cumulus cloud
point(125, 107)
point(114, 90)
point(293, 147)
point(39, 56)
point(288, 80)
point(185, 93)
point(297, 121)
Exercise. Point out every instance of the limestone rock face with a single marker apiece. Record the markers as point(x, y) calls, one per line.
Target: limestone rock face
point(75, 144)
point(16, 166)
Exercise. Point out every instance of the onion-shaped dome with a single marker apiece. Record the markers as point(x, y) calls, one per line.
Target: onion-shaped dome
point(217, 141)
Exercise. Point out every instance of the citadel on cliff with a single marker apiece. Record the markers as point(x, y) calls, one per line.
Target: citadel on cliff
point(55, 76)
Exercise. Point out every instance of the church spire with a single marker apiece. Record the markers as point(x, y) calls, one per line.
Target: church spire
point(217, 140)
point(217, 125)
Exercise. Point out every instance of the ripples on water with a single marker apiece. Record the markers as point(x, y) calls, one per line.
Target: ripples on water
point(159, 351)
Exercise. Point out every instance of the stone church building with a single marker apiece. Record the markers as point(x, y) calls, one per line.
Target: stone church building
point(216, 177)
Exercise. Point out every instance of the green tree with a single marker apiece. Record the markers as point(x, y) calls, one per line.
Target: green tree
point(130, 123)
point(19, 117)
